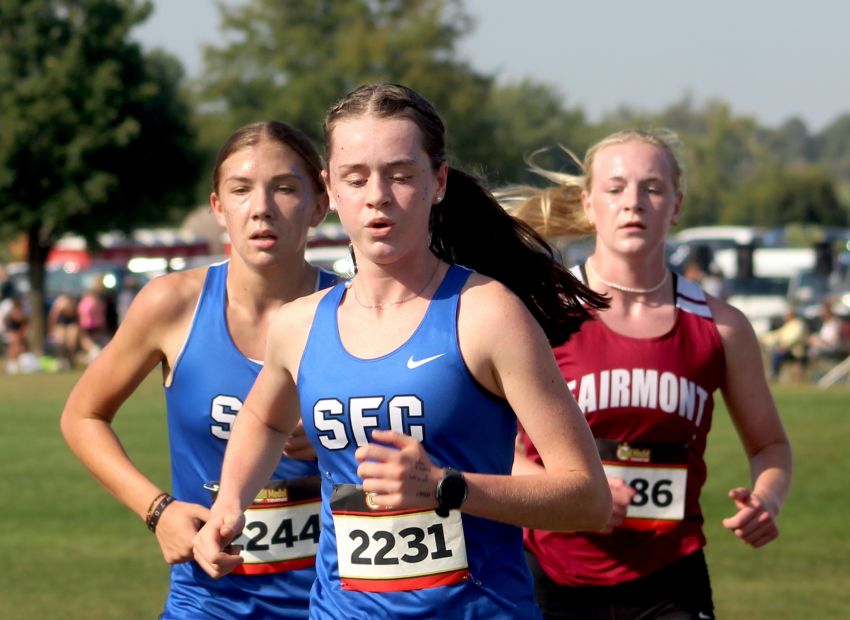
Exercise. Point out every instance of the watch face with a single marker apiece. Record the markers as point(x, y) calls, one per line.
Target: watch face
point(452, 490)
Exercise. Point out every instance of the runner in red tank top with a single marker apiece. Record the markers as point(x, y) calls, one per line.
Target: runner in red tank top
point(644, 374)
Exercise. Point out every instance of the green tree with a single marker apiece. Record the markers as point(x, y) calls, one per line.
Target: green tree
point(720, 150)
point(780, 196)
point(292, 59)
point(833, 152)
point(529, 116)
point(833, 145)
point(790, 143)
point(95, 134)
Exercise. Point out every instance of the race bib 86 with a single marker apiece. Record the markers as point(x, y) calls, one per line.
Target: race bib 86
point(659, 475)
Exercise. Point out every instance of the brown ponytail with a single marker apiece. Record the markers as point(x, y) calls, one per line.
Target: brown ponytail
point(470, 228)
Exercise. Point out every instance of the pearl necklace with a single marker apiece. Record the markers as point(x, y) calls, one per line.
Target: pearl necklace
point(384, 306)
point(621, 287)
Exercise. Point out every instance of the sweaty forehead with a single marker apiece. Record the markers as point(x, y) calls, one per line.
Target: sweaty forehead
point(632, 159)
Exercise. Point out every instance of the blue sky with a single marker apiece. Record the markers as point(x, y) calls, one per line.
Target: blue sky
point(770, 59)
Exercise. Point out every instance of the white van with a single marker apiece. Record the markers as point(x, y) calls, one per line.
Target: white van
point(717, 236)
point(680, 245)
point(763, 298)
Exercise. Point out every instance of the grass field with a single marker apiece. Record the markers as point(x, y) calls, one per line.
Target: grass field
point(75, 553)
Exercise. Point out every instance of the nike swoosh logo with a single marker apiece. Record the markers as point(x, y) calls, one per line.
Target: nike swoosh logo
point(412, 363)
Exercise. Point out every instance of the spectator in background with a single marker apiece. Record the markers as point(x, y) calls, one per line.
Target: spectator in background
point(7, 287)
point(94, 328)
point(15, 326)
point(63, 328)
point(787, 343)
point(827, 341)
point(126, 295)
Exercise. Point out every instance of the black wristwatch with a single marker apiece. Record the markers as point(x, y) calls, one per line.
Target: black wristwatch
point(451, 491)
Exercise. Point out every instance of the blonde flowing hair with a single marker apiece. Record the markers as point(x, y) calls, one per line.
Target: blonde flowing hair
point(556, 211)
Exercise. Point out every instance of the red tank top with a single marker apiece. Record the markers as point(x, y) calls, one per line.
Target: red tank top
point(649, 404)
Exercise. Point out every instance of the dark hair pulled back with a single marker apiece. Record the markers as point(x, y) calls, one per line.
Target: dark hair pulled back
point(470, 228)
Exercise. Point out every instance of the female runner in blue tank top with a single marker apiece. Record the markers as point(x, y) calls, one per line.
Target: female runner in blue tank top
point(207, 328)
point(410, 381)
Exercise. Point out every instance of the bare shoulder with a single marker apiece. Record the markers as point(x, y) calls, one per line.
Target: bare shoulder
point(731, 322)
point(501, 342)
point(172, 293)
point(162, 310)
point(745, 375)
point(489, 314)
point(490, 303)
point(151, 333)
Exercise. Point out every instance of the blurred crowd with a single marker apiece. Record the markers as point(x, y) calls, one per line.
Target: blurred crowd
point(77, 327)
point(798, 346)
point(802, 344)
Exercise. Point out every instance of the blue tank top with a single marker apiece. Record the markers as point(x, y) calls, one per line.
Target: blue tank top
point(425, 390)
point(211, 378)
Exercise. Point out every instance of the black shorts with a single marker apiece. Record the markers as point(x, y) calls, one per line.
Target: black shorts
point(66, 320)
point(678, 591)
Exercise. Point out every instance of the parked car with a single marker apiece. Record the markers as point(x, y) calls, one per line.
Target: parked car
point(682, 245)
point(764, 301)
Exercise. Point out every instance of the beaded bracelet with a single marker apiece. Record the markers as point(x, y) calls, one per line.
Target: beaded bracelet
point(158, 505)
